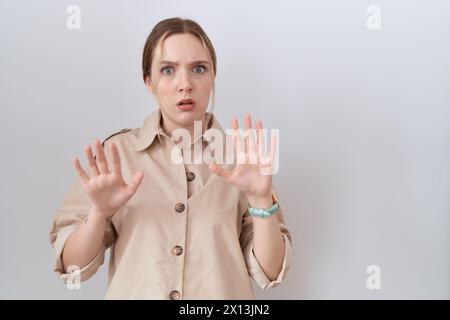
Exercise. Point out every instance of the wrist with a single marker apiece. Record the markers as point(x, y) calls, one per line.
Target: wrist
point(99, 216)
point(262, 202)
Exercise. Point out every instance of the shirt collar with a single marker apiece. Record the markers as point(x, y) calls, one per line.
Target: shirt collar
point(152, 129)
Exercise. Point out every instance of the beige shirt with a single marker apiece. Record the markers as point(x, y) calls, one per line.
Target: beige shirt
point(185, 234)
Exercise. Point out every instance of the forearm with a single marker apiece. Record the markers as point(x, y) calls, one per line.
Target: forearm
point(268, 243)
point(85, 242)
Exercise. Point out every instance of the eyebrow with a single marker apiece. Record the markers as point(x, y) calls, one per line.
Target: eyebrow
point(176, 63)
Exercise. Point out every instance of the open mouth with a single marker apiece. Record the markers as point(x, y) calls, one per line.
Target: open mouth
point(186, 104)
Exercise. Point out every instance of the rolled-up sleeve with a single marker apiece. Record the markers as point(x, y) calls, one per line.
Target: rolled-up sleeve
point(72, 211)
point(254, 269)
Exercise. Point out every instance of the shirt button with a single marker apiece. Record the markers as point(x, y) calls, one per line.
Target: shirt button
point(179, 207)
point(190, 176)
point(174, 295)
point(177, 250)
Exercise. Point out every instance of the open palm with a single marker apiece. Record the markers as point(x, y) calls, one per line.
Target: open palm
point(253, 171)
point(106, 189)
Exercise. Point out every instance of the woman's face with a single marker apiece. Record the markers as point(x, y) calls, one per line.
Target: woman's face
point(184, 70)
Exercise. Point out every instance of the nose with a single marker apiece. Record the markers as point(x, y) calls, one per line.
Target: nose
point(185, 83)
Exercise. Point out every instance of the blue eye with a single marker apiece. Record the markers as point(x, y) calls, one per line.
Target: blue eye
point(164, 68)
point(201, 66)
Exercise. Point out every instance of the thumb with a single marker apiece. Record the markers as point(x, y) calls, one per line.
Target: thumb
point(135, 182)
point(217, 169)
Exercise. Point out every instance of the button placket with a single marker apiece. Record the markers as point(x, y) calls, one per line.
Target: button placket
point(178, 240)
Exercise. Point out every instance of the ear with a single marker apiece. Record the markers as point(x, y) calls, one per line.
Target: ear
point(149, 85)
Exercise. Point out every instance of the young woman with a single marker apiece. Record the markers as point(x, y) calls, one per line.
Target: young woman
point(177, 230)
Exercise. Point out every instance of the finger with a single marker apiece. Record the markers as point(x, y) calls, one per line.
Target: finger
point(91, 161)
point(135, 182)
point(217, 169)
point(261, 141)
point(84, 177)
point(273, 146)
point(234, 123)
point(239, 148)
point(234, 132)
point(268, 166)
point(249, 142)
point(247, 121)
point(101, 158)
point(116, 168)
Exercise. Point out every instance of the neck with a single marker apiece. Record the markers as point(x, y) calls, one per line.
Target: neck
point(195, 130)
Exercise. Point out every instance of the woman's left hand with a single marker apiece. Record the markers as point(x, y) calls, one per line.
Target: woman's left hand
point(253, 171)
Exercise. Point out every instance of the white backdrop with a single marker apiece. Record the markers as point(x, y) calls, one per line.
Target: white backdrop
point(363, 115)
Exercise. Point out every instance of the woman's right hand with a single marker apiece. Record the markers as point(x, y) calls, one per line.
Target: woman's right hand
point(106, 189)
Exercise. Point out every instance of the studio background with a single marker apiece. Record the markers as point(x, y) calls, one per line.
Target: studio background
point(363, 115)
